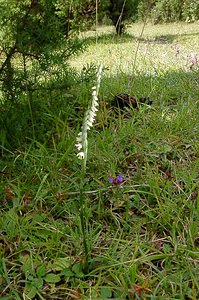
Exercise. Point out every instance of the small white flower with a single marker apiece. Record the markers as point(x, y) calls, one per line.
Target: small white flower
point(90, 123)
point(78, 146)
point(80, 155)
point(92, 114)
point(95, 100)
point(79, 137)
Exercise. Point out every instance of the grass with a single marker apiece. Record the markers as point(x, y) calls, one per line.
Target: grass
point(142, 236)
point(156, 48)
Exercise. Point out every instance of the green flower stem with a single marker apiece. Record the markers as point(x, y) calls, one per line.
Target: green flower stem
point(82, 218)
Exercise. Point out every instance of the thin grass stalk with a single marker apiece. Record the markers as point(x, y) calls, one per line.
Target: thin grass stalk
point(131, 78)
point(82, 221)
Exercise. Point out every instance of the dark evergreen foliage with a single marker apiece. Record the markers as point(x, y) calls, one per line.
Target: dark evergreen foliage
point(33, 34)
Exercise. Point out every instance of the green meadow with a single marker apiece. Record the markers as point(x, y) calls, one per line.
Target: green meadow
point(141, 234)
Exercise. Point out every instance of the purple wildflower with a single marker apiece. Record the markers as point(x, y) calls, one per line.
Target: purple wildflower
point(115, 181)
point(192, 60)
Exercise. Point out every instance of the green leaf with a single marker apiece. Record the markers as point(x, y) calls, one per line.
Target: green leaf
point(67, 273)
point(37, 282)
point(77, 269)
point(32, 293)
point(27, 266)
point(106, 293)
point(53, 278)
point(61, 263)
point(41, 271)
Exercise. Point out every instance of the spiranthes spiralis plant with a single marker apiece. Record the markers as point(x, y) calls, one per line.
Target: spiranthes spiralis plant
point(82, 146)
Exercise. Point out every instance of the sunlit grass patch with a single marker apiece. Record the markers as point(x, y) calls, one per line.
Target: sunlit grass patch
point(156, 48)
